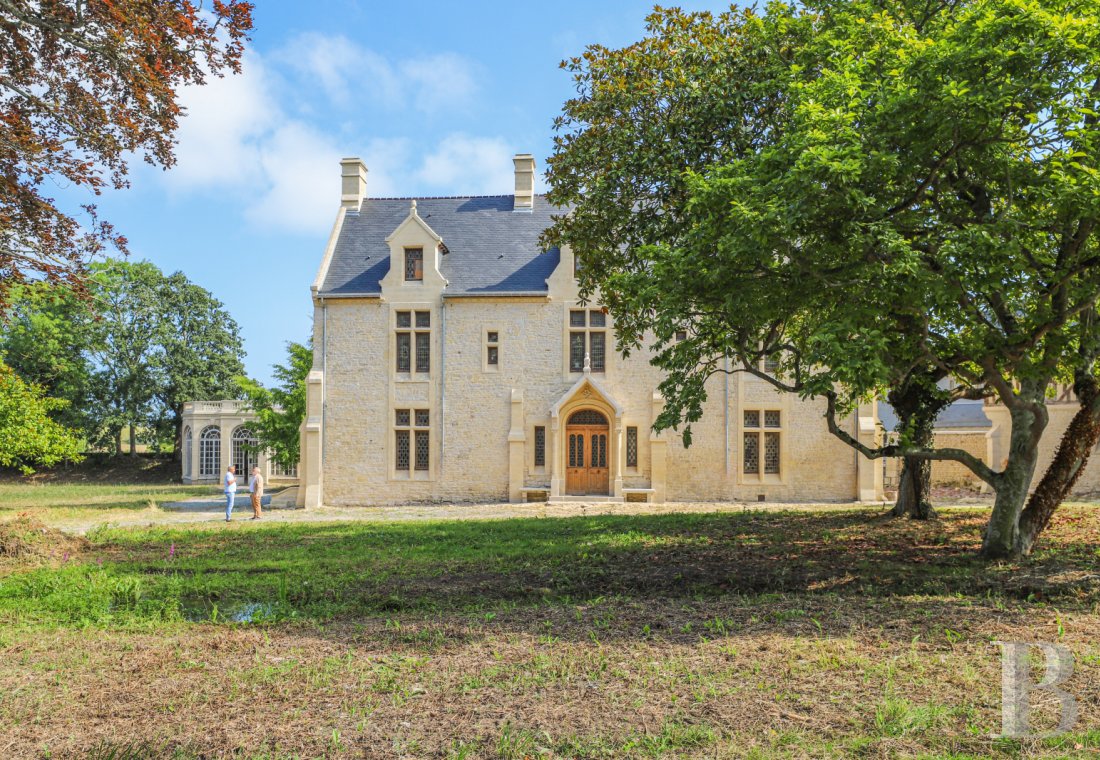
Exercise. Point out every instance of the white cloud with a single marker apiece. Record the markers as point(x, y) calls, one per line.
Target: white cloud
point(346, 70)
point(464, 164)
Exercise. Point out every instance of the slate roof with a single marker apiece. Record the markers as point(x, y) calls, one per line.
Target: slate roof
point(491, 248)
point(961, 414)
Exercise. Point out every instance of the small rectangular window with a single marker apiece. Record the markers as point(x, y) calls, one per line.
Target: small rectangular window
point(422, 417)
point(414, 264)
point(771, 364)
point(404, 319)
point(493, 356)
point(576, 352)
point(576, 319)
point(540, 446)
point(597, 319)
point(681, 335)
point(423, 319)
point(752, 418)
point(492, 336)
point(423, 352)
point(632, 447)
point(771, 418)
point(404, 352)
point(597, 341)
point(401, 417)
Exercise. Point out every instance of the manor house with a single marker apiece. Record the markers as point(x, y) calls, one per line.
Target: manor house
point(454, 361)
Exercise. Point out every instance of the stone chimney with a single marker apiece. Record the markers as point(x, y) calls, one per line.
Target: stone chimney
point(525, 182)
point(353, 183)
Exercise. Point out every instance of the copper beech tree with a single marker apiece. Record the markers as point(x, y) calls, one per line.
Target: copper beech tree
point(84, 84)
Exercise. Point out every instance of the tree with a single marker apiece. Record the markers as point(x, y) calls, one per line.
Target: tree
point(43, 341)
point(83, 85)
point(281, 410)
point(202, 351)
point(918, 197)
point(29, 438)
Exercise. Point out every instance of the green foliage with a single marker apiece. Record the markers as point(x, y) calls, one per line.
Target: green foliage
point(129, 355)
point(29, 438)
point(281, 410)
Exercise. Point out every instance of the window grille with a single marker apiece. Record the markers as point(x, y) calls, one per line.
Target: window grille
point(771, 419)
point(404, 319)
point(421, 449)
point(751, 453)
point(423, 352)
point(492, 350)
point(414, 264)
point(423, 319)
point(402, 449)
point(422, 417)
point(599, 451)
point(576, 319)
point(771, 453)
point(404, 352)
point(597, 319)
point(576, 352)
point(587, 417)
point(540, 446)
point(632, 447)
point(596, 354)
point(752, 418)
point(494, 357)
point(210, 451)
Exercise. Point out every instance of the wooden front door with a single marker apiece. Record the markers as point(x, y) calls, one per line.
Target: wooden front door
point(586, 440)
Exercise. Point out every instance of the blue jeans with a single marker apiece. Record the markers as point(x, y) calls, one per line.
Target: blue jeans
point(229, 504)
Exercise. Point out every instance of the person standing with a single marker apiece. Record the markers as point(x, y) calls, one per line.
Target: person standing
point(230, 491)
point(256, 489)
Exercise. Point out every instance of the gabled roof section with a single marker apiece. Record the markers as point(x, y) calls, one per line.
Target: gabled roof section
point(587, 381)
point(490, 248)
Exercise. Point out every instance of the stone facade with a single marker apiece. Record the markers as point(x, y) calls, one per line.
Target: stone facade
point(487, 416)
point(216, 435)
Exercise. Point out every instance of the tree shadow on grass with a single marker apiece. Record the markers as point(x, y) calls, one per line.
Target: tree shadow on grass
point(358, 571)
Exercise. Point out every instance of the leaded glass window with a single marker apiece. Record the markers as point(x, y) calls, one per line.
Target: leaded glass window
point(404, 319)
point(423, 319)
point(414, 264)
point(632, 447)
point(596, 350)
point(771, 418)
point(576, 319)
point(587, 417)
point(540, 446)
point(599, 450)
point(751, 453)
point(576, 351)
point(404, 352)
point(492, 349)
point(423, 352)
point(402, 448)
point(401, 418)
point(752, 418)
point(771, 453)
point(422, 417)
point(597, 319)
point(421, 449)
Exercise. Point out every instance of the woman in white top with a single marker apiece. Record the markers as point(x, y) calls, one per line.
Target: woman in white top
point(230, 491)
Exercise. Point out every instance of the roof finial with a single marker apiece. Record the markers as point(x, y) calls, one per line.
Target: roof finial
point(412, 208)
point(587, 364)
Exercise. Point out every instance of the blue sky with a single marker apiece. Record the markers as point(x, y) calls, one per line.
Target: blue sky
point(435, 96)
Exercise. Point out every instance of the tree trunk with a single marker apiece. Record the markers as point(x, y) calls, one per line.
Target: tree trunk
point(914, 486)
point(1029, 419)
point(1069, 462)
point(133, 440)
point(917, 402)
point(118, 442)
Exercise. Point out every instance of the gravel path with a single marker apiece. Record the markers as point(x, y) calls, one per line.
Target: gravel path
point(207, 511)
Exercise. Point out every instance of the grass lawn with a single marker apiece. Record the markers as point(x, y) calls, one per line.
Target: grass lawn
point(793, 634)
point(55, 502)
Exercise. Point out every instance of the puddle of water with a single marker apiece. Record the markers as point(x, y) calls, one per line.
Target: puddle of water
point(240, 612)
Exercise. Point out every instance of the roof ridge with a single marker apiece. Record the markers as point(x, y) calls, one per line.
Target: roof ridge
point(441, 197)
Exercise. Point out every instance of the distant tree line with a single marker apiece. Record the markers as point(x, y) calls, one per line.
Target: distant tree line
point(124, 356)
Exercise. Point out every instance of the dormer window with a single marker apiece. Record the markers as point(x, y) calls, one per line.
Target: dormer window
point(414, 264)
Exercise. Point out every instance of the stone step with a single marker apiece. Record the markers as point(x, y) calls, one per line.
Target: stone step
point(586, 500)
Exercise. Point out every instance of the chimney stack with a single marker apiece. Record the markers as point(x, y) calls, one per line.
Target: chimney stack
point(525, 182)
point(353, 183)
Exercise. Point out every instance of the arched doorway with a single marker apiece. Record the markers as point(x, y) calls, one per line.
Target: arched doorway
point(244, 452)
point(210, 451)
point(586, 471)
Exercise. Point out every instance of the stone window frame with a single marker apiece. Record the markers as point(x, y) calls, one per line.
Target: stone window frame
point(634, 466)
point(414, 265)
point(414, 329)
point(410, 424)
point(762, 430)
point(486, 332)
point(569, 329)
